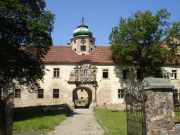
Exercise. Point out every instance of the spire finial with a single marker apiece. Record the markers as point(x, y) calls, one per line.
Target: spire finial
point(82, 20)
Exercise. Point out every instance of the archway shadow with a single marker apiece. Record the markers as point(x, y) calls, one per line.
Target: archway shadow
point(75, 97)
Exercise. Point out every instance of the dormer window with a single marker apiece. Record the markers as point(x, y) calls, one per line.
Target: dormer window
point(83, 48)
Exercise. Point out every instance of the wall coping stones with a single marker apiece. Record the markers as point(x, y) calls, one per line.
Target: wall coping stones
point(156, 83)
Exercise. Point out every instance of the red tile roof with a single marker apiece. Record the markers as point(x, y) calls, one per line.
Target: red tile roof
point(65, 54)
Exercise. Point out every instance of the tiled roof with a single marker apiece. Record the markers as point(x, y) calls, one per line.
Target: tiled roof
point(65, 54)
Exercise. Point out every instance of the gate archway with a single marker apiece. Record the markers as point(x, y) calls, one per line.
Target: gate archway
point(82, 101)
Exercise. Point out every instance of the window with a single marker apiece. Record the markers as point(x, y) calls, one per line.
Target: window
point(56, 72)
point(125, 74)
point(55, 93)
point(105, 73)
point(121, 93)
point(83, 48)
point(85, 72)
point(139, 74)
point(17, 93)
point(40, 93)
point(174, 74)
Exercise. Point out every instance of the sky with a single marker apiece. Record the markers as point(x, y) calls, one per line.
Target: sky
point(100, 15)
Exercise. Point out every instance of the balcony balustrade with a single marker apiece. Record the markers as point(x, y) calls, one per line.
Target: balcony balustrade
point(82, 78)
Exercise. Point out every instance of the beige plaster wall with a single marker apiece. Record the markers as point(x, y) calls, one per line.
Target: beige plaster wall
point(174, 82)
point(106, 92)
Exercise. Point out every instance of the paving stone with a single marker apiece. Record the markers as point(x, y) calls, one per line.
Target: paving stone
point(82, 122)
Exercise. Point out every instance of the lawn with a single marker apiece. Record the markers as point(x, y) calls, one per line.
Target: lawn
point(114, 122)
point(177, 112)
point(38, 120)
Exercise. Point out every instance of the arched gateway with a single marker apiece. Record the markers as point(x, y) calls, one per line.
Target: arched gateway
point(82, 97)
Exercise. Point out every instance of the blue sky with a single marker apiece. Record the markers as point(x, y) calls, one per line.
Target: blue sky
point(100, 15)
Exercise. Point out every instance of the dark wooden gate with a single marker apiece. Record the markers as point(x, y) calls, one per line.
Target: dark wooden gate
point(135, 114)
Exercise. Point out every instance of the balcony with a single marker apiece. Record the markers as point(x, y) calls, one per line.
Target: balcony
point(90, 79)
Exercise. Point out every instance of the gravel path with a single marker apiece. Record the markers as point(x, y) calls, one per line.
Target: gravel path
point(82, 122)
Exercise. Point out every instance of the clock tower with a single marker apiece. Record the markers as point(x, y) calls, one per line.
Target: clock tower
point(83, 41)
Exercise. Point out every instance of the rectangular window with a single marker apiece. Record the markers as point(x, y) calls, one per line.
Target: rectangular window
point(40, 93)
point(85, 72)
point(56, 72)
point(174, 74)
point(139, 76)
point(125, 74)
point(17, 93)
point(83, 48)
point(105, 73)
point(121, 93)
point(55, 93)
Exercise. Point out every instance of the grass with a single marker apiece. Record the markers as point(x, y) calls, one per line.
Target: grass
point(114, 122)
point(38, 120)
point(177, 112)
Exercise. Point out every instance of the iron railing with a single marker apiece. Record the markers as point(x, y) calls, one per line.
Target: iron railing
point(176, 97)
point(135, 115)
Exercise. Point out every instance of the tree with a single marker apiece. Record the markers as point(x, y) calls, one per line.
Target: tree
point(25, 34)
point(173, 40)
point(137, 42)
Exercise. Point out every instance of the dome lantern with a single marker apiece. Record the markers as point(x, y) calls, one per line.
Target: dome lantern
point(82, 30)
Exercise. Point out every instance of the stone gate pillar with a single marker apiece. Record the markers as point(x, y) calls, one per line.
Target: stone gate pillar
point(158, 106)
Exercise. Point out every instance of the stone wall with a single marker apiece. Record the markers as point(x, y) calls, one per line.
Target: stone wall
point(159, 109)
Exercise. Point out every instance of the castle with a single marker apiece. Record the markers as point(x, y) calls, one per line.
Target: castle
point(83, 74)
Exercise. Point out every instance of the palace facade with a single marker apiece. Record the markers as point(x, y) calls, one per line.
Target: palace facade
point(83, 74)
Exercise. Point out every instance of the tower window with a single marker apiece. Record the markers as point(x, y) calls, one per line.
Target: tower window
point(40, 93)
point(91, 41)
point(17, 93)
point(105, 73)
point(83, 48)
point(55, 93)
point(56, 72)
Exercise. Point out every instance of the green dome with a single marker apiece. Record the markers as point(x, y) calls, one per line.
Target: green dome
point(82, 30)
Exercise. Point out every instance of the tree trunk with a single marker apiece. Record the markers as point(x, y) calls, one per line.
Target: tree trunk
point(1, 112)
point(6, 105)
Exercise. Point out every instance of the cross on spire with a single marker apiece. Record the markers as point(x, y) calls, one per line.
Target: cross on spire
point(82, 20)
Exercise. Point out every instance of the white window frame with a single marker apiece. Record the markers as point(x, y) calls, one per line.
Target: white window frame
point(55, 94)
point(120, 93)
point(40, 93)
point(107, 71)
point(56, 72)
point(173, 74)
point(17, 94)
